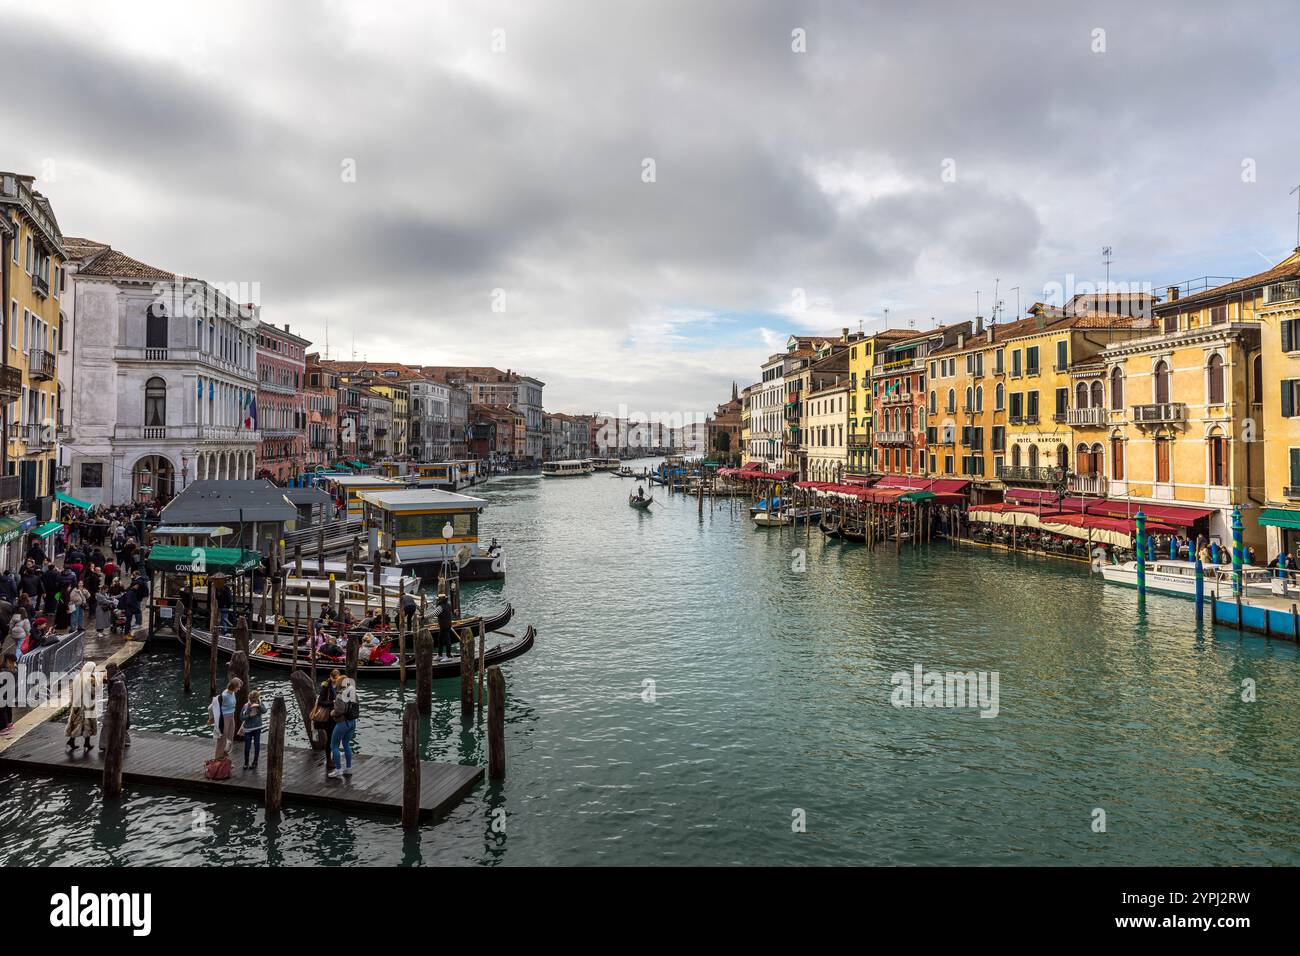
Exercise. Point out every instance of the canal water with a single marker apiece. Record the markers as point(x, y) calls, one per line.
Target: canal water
point(704, 692)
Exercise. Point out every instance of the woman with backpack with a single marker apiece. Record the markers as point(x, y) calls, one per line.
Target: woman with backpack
point(347, 710)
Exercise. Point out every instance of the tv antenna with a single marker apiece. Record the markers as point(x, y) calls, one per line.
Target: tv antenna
point(886, 318)
point(1297, 215)
point(1016, 290)
point(1107, 259)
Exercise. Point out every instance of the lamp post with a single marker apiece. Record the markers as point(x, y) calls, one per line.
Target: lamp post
point(447, 532)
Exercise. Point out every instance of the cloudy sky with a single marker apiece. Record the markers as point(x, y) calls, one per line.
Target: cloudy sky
point(909, 156)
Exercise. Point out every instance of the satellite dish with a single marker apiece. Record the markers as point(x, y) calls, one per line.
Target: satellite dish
point(462, 556)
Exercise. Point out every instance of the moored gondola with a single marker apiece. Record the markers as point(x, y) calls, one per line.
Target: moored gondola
point(280, 656)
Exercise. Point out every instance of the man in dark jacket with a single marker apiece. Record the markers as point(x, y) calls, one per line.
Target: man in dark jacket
point(29, 581)
point(444, 627)
point(50, 587)
point(8, 587)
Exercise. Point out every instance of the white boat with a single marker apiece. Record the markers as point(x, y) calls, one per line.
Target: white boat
point(786, 516)
point(1179, 577)
point(567, 469)
point(606, 464)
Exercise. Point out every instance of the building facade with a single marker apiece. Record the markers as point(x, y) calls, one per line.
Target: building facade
point(321, 400)
point(281, 403)
point(1279, 318)
point(165, 380)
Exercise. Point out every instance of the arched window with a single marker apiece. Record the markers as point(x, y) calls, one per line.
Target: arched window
point(970, 398)
point(1214, 379)
point(155, 402)
point(1033, 456)
point(1257, 380)
point(1161, 384)
point(1217, 449)
point(1081, 395)
point(1063, 457)
point(934, 403)
point(952, 401)
point(999, 397)
point(979, 398)
point(1015, 456)
point(1116, 390)
point(1098, 400)
point(1081, 459)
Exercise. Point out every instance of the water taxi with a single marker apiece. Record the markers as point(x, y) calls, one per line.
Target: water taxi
point(426, 529)
point(1179, 577)
point(606, 464)
point(567, 469)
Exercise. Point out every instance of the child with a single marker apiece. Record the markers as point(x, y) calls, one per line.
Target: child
point(252, 726)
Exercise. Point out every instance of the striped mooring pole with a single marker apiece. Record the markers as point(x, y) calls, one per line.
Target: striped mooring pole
point(1237, 550)
point(1200, 590)
point(1140, 520)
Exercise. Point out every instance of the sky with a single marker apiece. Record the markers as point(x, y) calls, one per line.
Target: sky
point(638, 202)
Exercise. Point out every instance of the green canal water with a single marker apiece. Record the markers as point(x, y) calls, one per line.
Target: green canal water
point(772, 704)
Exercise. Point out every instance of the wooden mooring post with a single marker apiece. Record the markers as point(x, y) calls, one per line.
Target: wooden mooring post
point(213, 619)
point(188, 636)
point(115, 738)
point(466, 672)
point(424, 670)
point(275, 757)
point(496, 723)
point(410, 765)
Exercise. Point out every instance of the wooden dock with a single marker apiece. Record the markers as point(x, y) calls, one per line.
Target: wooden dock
point(176, 762)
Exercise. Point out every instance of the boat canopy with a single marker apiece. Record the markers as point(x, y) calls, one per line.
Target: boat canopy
point(172, 557)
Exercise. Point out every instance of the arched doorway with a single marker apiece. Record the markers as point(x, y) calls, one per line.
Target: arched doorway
point(153, 479)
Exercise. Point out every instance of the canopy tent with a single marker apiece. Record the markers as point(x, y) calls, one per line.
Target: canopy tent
point(1179, 516)
point(47, 529)
point(69, 500)
point(1116, 531)
point(196, 560)
point(187, 530)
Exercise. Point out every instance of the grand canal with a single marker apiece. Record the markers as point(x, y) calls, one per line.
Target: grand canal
point(770, 702)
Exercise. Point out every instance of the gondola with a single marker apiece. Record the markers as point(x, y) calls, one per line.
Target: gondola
point(829, 526)
point(256, 633)
point(280, 656)
point(642, 504)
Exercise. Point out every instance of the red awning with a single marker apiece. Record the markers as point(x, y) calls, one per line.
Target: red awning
point(1030, 496)
point(1177, 515)
point(775, 475)
point(1106, 523)
point(909, 482)
point(864, 481)
point(949, 486)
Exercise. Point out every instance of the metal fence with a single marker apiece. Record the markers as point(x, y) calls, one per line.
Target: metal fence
point(48, 666)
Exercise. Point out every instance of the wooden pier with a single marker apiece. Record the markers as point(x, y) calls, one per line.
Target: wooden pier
point(176, 762)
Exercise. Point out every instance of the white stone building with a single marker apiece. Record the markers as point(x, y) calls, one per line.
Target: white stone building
point(430, 420)
point(164, 373)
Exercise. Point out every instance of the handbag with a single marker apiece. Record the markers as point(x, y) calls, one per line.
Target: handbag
point(320, 714)
point(217, 768)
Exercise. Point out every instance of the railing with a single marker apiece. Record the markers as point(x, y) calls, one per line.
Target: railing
point(40, 364)
point(11, 382)
point(48, 665)
point(1291, 491)
point(40, 286)
point(36, 436)
point(1086, 416)
point(11, 488)
point(228, 433)
point(898, 398)
point(154, 431)
point(1033, 473)
point(1159, 412)
point(155, 355)
point(1282, 292)
point(893, 438)
point(859, 440)
point(1086, 484)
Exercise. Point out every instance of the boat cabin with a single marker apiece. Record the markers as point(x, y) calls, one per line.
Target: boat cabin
point(412, 524)
point(347, 490)
point(564, 469)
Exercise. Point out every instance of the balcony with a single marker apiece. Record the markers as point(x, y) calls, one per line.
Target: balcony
point(38, 437)
point(1034, 475)
point(10, 488)
point(40, 365)
point(897, 398)
point(1086, 417)
point(893, 438)
point(859, 440)
point(11, 383)
point(1031, 419)
point(40, 287)
point(1159, 413)
point(155, 354)
point(1282, 292)
point(1086, 484)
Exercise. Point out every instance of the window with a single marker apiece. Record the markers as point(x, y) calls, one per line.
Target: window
point(1015, 364)
point(1033, 456)
point(1062, 400)
point(998, 366)
point(1117, 458)
point(1257, 380)
point(1290, 338)
point(1295, 467)
point(92, 474)
point(1031, 409)
point(1218, 452)
point(1218, 314)
point(1031, 360)
point(979, 399)
point(999, 437)
point(155, 332)
point(999, 398)
point(1098, 399)
point(952, 401)
point(1116, 390)
point(1161, 383)
point(155, 403)
point(1215, 379)
point(1290, 388)
point(1015, 456)
point(1162, 460)
point(1081, 395)
point(1062, 354)
point(1017, 408)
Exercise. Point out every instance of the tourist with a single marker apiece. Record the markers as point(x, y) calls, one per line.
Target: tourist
point(225, 601)
point(113, 674)
point(322, 715)
point(8, 687)
point(251, 718)
point(105, 606)
point(221, 715)
point(443, 608)
point(8, 587)
point(81, 714)
point(129, 605)
point(50, 588)
point(346, 712)
point(409, 608)
point(78, 600)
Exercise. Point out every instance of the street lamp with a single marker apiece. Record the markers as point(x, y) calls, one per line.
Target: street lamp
point(447, 532)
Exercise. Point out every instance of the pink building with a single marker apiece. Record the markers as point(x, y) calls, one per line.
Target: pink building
point(281, 405)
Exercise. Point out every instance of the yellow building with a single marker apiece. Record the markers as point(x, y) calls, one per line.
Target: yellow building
point(1277, 308)
point(1182, 431)
point(746, 431)
point(33, 338)
point(862, 357)
point(825, 400)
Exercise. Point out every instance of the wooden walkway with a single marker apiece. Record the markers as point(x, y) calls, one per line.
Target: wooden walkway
point(175, 762)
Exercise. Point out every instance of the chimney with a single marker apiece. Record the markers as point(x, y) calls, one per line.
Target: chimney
point(1171, 293)
point(844, 334)
point(991, 324)
point(286, 326)
point(961, 339)
point(979, 324)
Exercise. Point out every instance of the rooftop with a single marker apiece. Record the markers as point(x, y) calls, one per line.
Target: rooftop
point(421, 499)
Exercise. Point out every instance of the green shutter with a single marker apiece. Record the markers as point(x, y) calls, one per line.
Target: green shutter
point(1295, 467)
point(1288, 399)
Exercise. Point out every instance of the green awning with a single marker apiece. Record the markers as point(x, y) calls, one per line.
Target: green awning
point(916, 496)
point(1280, 518)
point(68, 499)
point(199, 560)
point(10, 528)
point(47, 529)
point(357, 464)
